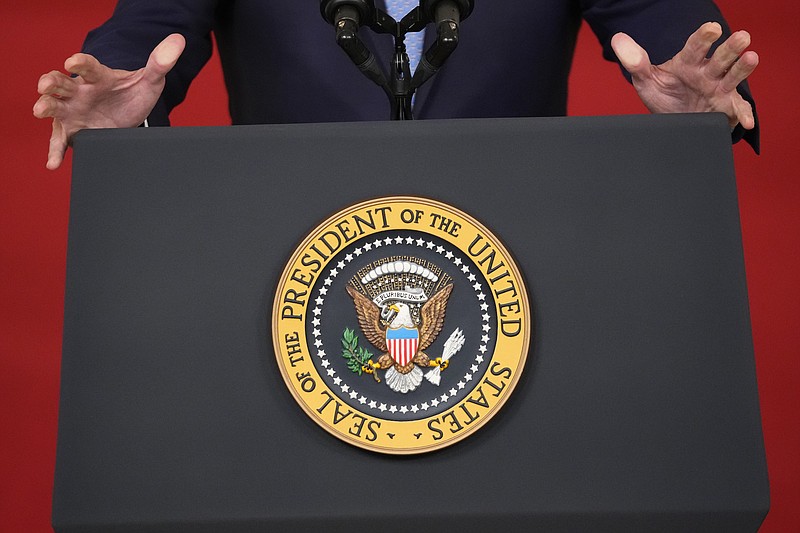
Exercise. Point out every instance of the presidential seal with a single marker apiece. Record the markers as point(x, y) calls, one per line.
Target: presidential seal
point(401, 325)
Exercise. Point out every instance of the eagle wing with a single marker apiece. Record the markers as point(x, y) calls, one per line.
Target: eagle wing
point(369, 318)
point(432, 317)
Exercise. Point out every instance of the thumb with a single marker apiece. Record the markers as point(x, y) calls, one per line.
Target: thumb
point(632, 56)
point(164, 56)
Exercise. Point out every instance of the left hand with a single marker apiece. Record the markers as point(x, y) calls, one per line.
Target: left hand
point(690, 82)
point(101, 97)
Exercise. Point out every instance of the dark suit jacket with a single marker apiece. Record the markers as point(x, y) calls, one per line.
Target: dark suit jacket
point(282, 65)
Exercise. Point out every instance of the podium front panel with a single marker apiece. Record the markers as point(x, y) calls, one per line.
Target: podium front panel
point(638, 408)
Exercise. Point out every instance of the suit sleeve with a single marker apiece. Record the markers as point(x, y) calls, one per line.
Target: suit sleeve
point(137, 26)
point(661, 27)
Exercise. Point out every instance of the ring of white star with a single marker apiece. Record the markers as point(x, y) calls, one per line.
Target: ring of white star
point(398, 407)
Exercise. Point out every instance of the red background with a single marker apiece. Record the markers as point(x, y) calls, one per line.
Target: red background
point(34, 203)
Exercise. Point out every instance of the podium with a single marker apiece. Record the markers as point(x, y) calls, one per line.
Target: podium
point(638, 407)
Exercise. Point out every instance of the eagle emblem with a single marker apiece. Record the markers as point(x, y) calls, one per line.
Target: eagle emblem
point(402, 320)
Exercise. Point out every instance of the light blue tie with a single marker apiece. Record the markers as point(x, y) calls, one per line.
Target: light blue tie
point(397, 9)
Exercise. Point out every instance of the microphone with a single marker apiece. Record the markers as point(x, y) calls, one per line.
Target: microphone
point(365, 10)
point(447, 15)
point(463, 8)
point(347, 16)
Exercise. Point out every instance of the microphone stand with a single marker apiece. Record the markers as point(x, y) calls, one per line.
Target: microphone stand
point(400, 85)
point(347, 16)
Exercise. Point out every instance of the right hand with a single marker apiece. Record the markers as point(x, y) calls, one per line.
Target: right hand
point(690, 82)
point(101, 97)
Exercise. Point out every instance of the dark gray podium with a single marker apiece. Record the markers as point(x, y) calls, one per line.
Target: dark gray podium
point(638, 408)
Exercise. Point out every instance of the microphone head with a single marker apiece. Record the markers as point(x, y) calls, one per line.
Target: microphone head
point(365, 8)
point(464, 7)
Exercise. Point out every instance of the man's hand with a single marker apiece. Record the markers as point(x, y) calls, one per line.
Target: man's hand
point(100, 97)
point(690, 82)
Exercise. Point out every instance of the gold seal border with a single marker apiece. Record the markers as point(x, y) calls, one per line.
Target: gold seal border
point(296, 374)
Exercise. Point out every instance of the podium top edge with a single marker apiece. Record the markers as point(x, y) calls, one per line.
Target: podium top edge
point(714, 121)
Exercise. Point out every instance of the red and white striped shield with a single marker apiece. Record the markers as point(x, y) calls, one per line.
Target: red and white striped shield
point(403, 344)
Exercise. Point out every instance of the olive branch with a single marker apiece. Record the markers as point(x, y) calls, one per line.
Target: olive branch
point(357, 357)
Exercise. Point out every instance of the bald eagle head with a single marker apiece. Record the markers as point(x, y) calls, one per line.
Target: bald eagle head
point(403, 318)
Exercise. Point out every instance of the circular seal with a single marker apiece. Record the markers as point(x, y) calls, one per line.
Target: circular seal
point(401, 325)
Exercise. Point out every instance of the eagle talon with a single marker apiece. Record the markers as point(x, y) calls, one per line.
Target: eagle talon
point(370, 368)
point(441, 364)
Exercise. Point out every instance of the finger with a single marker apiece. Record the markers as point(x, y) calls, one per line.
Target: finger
point(744, 113)
point(48, 106)
point(632, 56)
point(739, 71)
point(164, 56)
point(699, 43)
point(58, 146)
point(56, 83)
point(86, 66)
point(728, 52)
